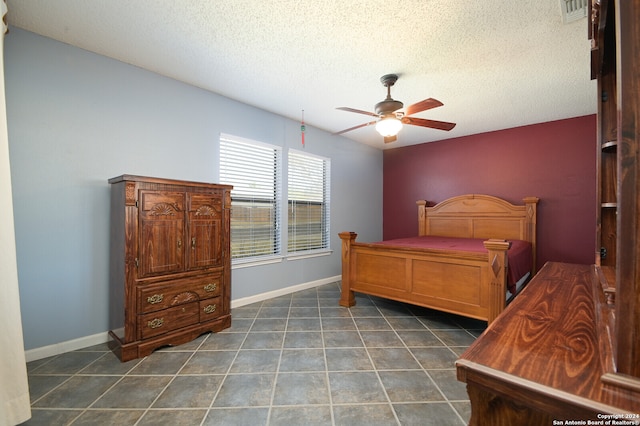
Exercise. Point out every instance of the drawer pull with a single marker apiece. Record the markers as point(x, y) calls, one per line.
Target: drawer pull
point(211, 287)
point(156, 323)
point(156, 298)
point(209, 309)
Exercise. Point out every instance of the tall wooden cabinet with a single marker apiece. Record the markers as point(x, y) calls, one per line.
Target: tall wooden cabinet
point(170, 277)
point(604, 69)
point(567, 349)
point(615, 36)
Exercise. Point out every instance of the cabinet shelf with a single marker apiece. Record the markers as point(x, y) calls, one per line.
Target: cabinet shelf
point(608, 175)
point(608, 283)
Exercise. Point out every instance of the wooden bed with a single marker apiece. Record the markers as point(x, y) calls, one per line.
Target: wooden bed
point(464, 283)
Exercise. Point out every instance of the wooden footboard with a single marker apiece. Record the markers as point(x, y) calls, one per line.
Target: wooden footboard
point(469, 284)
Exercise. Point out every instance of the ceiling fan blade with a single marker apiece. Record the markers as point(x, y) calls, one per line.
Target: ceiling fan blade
point(373, 114)
point(354, 128)
point(388, 139)
point(440, 125)
point(423, 106)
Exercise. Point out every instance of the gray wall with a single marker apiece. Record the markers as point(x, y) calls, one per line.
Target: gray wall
point(77, 119)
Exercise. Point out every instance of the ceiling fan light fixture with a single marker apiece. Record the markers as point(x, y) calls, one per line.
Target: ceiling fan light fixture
point(388, 126)
point(391, 115)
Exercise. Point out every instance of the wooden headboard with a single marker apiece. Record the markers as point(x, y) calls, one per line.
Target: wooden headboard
point(480, 216)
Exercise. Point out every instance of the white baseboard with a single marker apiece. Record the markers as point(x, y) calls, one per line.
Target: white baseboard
point(68, 346)
point(282, 291)
point(96, 339)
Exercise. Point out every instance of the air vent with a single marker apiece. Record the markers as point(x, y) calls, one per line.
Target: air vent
point(572, 10)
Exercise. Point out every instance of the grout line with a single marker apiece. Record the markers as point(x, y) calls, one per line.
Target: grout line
point(425, 370)
point(172, 379)
point(326, 367)
point(275, 377)
point(375, 369)
point(320, 300)
point(224, 378)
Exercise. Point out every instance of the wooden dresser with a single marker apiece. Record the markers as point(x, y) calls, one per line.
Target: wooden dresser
point(544, 357)
point(170, 273)
point(567, 349)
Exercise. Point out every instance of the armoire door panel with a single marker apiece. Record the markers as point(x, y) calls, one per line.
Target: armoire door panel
point(205, 221)
point(161, 233)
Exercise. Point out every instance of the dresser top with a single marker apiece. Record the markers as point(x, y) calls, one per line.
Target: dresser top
point(545, 348)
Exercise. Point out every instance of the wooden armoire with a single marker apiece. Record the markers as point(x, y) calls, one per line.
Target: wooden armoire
point(567, 349)
point(170, 269)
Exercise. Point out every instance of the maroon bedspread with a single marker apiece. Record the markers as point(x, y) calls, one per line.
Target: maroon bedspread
point(519, 255)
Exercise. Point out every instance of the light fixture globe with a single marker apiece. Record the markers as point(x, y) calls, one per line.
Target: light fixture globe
point(389, 126)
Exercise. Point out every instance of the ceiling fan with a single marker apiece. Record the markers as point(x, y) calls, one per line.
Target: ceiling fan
point(390, 118)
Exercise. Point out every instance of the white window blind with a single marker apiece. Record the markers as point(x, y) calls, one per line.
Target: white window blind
point(308, 202)
point(254, 170)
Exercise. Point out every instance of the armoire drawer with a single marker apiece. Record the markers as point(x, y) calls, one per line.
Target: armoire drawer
point(160, 322)
point(210, 308)
point(178, 292)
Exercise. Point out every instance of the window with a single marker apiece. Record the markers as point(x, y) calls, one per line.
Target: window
point(253, 168)
point(308, 202)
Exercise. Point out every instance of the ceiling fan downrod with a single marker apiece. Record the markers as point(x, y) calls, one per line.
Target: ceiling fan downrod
point(389, 105)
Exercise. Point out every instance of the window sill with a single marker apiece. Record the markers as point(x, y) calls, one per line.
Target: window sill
point(248, 263)
point(300, 256)
point(269, 260)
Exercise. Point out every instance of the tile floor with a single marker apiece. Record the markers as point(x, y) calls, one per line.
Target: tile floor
point(295, 359)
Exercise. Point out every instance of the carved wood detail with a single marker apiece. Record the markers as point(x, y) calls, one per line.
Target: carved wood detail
point(164, 209)
point(184, 297)
point(130, 194)
point(207, 210)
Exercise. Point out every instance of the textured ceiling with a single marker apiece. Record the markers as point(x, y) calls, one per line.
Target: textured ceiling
point(495, 64)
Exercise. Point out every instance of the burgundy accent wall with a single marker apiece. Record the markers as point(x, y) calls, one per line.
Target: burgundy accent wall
point(553, 161)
